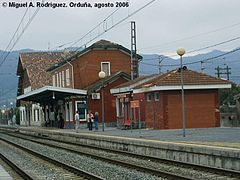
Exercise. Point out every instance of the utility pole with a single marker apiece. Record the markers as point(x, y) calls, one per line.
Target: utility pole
point(202, 66)
point(228, 72)
point(225, 70)
point(160, 59)
point(218, 71)
point(134, 59)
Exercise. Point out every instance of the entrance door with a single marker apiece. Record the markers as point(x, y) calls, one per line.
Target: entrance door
point(81, 107)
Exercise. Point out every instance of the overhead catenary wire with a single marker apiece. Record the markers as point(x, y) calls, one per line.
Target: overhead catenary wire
point(113, 26)
point(19, 25)
point(205, 60)
point(194, 36)
point(199, 49)
point(89, 32)
point(22, 32)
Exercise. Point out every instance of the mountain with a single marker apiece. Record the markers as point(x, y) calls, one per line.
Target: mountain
point(8, 77)
point(149, 65)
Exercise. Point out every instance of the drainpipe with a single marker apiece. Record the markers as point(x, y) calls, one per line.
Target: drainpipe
point(72, 74)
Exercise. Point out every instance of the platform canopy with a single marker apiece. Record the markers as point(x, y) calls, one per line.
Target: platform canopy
point(50, 93)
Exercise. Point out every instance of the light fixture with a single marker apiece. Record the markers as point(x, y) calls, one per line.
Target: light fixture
point(181, 52)
point(102, 75)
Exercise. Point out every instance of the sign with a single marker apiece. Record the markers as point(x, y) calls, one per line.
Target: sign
point(135, 104)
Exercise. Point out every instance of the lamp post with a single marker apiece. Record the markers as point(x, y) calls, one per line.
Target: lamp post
point(11, 112)
point(102, 75)
point(181, 52)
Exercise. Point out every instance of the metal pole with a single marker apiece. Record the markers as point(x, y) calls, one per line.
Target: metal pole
point(139, 117)
point(102, 108)
point(183, 101)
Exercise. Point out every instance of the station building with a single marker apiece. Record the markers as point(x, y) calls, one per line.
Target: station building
point(51, 84)
point(156, 100)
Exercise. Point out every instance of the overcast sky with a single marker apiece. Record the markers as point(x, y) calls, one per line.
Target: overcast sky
point(159, 26)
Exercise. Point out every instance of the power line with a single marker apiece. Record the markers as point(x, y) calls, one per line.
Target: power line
point(215, 57)
point(113, 26)
point(205, 60)
point(199, 49)
point(21, 21)
point(22, 32)
point(214, 45)
point(194, 36)
point(89, 32)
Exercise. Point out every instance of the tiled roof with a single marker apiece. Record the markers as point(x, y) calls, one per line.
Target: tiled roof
point(170, 79)
point(134, 82)
point(97, 85)
point(36, 64)
point(190, 77)
point(102, 44)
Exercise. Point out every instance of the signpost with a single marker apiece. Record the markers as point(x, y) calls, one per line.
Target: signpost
point(135, 104)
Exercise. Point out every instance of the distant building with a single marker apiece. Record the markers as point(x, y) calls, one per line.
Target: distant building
point(159, 98)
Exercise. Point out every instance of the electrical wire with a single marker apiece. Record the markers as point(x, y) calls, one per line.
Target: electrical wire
point(200, 49)
point(22, 32)
point(194, 36)
point(200, 61)
point(21, 21)
point(113, 26)
point(89, 32)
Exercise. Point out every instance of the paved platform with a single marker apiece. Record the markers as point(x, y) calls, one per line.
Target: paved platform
point(222, 136)
point(228, 137)
point(216, 147)
point(4, 174)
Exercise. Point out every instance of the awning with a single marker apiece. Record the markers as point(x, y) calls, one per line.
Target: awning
point(50, 93)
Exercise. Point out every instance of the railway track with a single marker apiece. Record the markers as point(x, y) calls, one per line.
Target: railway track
point(154, 171)
point(16, 168)
point(59, 168)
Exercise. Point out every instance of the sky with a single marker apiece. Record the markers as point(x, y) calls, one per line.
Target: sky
point(162, 27)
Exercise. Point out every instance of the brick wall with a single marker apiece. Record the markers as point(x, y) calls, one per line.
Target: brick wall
point(109, 102)
point(141, 98)
point(87, 67)
point(155, 112)
point(201, 110)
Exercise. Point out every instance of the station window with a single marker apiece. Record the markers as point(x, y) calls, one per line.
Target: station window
point(60, 79)
point(81, 107)
point(149, 97)
point(105, 67)
point(53, 80)
point(67, 77)
point(156, 96)
point(63, 79)
point(57, 84)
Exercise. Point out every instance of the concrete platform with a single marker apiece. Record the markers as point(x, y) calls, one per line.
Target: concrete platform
point(4, 174)
point(216, 147)
point(224, 137)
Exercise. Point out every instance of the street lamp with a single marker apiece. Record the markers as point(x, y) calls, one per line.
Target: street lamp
point(102, 75)
point(11, 115)
point(181, 52)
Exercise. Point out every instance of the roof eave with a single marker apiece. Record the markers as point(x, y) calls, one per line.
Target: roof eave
point(80, 53)
point(109, 81)
point(52, 88)
point(178, 87)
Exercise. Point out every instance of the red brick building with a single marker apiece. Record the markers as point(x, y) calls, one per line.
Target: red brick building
point(79, 71)
point(32, 73)
point(160, 99)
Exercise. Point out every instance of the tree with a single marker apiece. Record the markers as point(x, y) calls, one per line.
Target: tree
point(227, 95)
